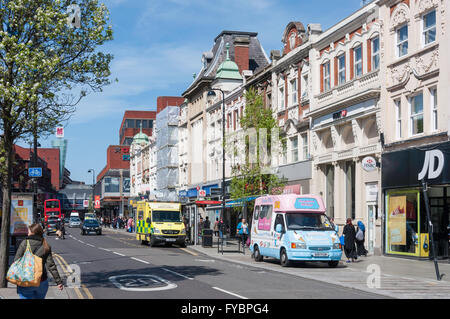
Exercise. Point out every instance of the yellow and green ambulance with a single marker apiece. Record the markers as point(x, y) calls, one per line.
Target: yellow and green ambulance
point(159, 222)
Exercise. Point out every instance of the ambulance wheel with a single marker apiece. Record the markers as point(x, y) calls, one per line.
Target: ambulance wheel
point(152, 242)
point(183, 245)
point(257, 254)
point(144, 242)
point(284, 261)
point(333, 263)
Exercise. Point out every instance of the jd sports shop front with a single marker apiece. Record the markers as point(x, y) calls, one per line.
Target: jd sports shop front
point(406, 226)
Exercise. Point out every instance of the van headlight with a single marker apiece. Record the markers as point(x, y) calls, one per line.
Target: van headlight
point(337, 245)
point(156, 231)
point(183, 231)
point(298, 245)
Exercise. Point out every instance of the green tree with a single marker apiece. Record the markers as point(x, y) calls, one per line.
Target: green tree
point(253, 176)
point(46, 67)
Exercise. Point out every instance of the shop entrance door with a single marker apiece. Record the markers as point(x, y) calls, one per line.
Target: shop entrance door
point(440, 209)
point(371, 211)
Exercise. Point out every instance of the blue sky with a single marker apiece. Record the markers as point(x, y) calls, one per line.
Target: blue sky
point(157, 47)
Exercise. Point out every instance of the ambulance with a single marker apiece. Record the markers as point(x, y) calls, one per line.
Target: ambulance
point(159, 223)
point(293, 228)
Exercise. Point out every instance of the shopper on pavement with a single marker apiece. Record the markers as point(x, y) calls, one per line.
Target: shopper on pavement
point(349, 239)
point(242, 229)
point(360, 238)
point(207, 223)
point(222, 228)
point(200, 229)
point(40, 248)
point(216, 227)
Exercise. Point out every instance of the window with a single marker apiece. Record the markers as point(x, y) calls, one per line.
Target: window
point(326, 76)
point(398, 118)
point(429, 27)
point(341, 69)
point(375, 53)
point(144, 124)
point(279, 220)
point(416, 119)
point(402, 41)
point(129, 123)
point(305, 87)
point(294, 92)
point(138, 123)
point(265, 217)
point(305, 146)
point(281, 98)
point(434, 110)
point(294, 149)
point(358, 61)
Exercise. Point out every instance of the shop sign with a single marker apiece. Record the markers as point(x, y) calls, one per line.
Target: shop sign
point(369, 164)
point(409, 167)
point(97, 202)
point(397, 220)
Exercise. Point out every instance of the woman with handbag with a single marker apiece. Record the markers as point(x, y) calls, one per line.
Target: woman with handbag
point(40, 248)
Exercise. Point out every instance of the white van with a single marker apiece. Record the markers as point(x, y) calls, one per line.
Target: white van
point(293, 227)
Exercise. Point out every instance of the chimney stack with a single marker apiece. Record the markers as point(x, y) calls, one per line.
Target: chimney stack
point(241, 52)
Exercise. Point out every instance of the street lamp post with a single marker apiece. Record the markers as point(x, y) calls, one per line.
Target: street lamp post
point(211, 95)
point(93, 187)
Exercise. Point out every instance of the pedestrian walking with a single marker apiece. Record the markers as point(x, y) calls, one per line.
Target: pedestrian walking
point(60, 229)
point(207, 223)
point(216, 227)
point(360, 239)
point(40, 248)
point(200, 229)
point(222, 228)
point(242, 229)
point(349, 241)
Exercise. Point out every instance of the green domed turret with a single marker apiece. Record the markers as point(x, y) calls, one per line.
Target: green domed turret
point(228, 69)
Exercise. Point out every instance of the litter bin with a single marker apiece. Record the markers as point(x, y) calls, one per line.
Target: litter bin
point(207, 238)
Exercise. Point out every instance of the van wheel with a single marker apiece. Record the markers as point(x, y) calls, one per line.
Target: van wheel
point(257, 254)
point(152, 242)
point(144, 242)
point(284, 261)
point(333, 263)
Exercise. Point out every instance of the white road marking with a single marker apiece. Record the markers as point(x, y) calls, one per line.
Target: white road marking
point(132, 282)
point(90, 245)
point(230, 293)
point(82, 242)
point(178, 274)
point(104, 249)
point(142, 261)
point(118, 254)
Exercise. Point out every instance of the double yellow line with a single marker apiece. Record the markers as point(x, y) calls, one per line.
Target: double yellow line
point(65, 266)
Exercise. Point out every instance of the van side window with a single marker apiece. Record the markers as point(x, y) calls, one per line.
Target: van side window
point(279, 220)
point(265, 217)
point(256, 213)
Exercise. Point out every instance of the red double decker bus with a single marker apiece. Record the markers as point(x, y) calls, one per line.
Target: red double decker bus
point(52, 208)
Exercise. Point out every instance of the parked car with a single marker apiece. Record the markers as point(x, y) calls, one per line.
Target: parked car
point(74, 222)
point(90, 226)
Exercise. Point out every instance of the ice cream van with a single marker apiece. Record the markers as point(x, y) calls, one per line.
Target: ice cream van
point(293, 228)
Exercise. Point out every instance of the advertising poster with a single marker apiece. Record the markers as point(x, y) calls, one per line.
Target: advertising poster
point(21, 214)
point(397, 220)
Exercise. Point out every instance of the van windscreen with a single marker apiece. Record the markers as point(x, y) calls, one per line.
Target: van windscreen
point(161, 216)
point(307, 221)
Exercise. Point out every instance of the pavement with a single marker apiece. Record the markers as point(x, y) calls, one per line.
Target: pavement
point(392, 277)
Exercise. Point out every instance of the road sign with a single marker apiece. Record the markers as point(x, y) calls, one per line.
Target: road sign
point(97, 202)
point(216, 191)
point(35, 172)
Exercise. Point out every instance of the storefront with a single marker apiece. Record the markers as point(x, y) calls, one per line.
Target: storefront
point(406, 226)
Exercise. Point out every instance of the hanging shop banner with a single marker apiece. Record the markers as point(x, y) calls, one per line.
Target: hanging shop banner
point(21, 214)
point(397, 220)
point(409, 167)
point(96, 202)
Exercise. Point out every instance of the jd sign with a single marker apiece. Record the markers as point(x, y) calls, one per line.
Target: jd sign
point(429, 164)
